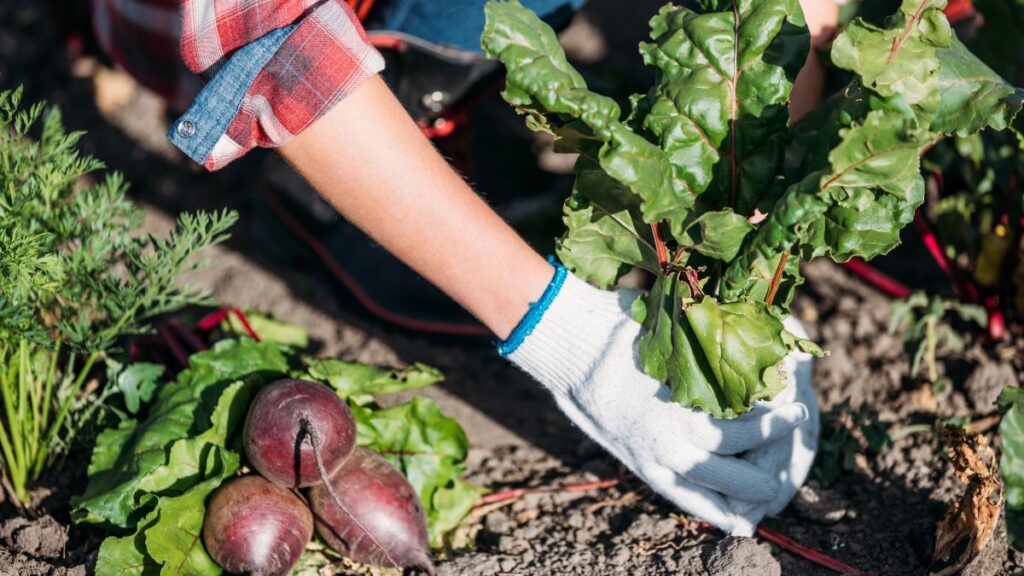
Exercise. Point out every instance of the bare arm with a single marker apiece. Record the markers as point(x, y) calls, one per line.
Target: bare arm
point(370, 161)
point(822, 18)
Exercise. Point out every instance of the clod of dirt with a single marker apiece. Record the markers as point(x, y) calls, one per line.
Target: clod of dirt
point(735, 556)
point(42, 538)
point(984, 384)
point(24, 565)
point(653, 528)
point(499, 523)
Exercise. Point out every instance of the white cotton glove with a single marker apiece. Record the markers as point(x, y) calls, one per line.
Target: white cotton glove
point(580, 343)
point(789, 458)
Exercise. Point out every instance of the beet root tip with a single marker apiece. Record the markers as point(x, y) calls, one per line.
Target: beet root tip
point(380, 519)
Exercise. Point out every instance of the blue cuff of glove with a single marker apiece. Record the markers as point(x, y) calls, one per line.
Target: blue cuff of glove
point(536, 311)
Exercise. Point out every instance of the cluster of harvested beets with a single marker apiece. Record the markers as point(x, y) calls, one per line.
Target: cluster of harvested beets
point(300, 434)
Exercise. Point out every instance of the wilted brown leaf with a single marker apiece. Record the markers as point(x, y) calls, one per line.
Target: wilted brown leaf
point(971, 521)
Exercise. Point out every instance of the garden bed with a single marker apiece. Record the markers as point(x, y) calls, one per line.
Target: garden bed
point(879, 518)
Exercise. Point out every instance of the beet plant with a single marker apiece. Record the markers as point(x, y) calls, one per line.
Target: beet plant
point(975, 213)
point(160, 480)
point(705, 184)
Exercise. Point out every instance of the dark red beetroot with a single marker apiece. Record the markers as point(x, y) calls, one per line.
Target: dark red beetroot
point(380, 519)
point(279, 430)
point(255, 527)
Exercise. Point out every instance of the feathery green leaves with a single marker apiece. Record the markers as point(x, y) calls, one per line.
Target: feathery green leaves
point(76, 275)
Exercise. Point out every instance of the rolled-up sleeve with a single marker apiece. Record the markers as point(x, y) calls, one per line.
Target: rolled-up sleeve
point(275, 67)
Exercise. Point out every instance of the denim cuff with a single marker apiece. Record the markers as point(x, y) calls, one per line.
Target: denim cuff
point(197, 130)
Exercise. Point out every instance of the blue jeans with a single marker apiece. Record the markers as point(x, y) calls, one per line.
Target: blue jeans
point(456, 23)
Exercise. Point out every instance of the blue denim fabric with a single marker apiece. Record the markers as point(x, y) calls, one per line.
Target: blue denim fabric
point(456, 23)
point(197, 130)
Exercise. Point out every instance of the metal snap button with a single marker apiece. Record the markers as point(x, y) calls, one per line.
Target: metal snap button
point(186, 128)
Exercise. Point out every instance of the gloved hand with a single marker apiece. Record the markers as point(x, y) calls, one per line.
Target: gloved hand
point(788, 459)
point(580, 343)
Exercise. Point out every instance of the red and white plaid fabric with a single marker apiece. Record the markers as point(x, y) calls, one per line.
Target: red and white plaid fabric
point(168, 44)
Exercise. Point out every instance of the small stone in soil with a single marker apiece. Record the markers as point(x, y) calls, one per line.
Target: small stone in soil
point(498, 523)
point(652, 528)
point(820, 505)
point(507, 564)
point(985, 383)
point(734, 556)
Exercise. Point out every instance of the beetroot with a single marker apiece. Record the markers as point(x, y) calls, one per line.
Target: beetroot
point(255, 527)
point(285, 419)
point(373, 515)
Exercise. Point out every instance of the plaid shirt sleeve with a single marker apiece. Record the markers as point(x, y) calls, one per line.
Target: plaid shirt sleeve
point(273, 78)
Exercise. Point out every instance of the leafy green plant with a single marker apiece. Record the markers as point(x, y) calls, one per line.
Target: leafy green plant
point(920, 318)
point(845, 434)
point(1011, 462)
point(149, 479)
point(979, 207)
point(704, 185)
point(75, 276)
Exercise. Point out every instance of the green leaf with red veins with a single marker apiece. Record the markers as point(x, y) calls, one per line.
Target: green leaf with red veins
point(743, 346)
point(353, 379)
point(163, 450)
point(708, 145)
point(175, 539)
point(719, 104)
point(872, 189)
point(541, 84)
point(898, 62)
point(125, 556)
point(750, 274)
point(973, 96)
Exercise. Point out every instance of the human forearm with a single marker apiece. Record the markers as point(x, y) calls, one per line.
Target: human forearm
point(822, 18)
point(370, 161)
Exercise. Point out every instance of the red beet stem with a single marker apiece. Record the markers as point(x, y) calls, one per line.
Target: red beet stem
point(211, 320)
point(245, 323)
point(516, 493)
point(807, 553)
point(879, 280)
point(965, 288)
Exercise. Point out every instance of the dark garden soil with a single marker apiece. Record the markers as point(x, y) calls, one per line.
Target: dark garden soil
point(879, 518)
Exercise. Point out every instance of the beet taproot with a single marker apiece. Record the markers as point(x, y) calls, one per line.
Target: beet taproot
point(283, 419)
point(377, 518)
point(253, 526)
